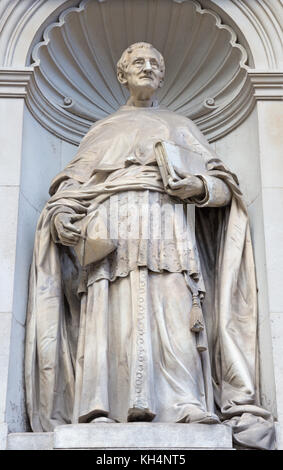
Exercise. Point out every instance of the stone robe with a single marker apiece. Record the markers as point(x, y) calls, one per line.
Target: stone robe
point(114, 339)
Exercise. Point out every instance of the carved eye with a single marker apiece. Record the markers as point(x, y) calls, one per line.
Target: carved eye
point(138, 62)
point(154, 63)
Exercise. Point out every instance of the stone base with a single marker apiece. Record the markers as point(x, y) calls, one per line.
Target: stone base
point(106, 436)
point(30, 441)
point(3, 436)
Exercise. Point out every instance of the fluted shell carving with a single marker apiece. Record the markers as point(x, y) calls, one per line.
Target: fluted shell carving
point(75, 64)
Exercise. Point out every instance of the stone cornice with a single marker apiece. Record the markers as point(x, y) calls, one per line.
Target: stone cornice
point(14, 82)
point(267, 85)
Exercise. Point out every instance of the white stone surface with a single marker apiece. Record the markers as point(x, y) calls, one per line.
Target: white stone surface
point(240, 151)
point(11, 118)
point(277, 335)
point(8, 235)
point(30, 441)
point(271, 143)
point(11, 140)
point(122, 436)
point(270, 117)
point(266, 369)
point(27, 221)
point(273, 222)
point(15, 412)
point(142, 435)
point(3, 436)
point(41, 161)
point(5, 332)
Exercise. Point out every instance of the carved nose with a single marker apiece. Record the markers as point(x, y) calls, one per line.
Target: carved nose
point(147, 65)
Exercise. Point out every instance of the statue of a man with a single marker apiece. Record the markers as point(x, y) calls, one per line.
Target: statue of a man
point(112, 341)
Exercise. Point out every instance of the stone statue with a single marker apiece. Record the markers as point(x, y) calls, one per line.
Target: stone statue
point(113, 341)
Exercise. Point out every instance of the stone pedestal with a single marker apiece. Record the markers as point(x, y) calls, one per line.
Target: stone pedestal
point(106, 436)
point(30, 441)
point(3, 436)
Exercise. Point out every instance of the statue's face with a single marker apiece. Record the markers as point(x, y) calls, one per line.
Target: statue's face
point(143, 71)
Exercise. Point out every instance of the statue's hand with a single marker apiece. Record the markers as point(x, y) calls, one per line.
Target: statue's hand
point(67, 232)
point(188, 186)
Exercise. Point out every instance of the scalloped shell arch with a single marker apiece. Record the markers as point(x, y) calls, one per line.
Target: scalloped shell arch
point(75, 65)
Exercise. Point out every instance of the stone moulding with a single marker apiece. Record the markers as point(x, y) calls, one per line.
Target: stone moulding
point(267, 85)
point(14, 83)
point(126, 436)
point(255, 12)
point(74, 81)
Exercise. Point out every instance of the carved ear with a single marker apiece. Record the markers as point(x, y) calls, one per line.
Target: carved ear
point(122, 79)
point(161, 83)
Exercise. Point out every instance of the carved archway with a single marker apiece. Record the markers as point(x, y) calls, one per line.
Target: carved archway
point(74, 81)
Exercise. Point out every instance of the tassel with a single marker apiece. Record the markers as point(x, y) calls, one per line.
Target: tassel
point(201, 342)
point(196, 316)
point(196, 320)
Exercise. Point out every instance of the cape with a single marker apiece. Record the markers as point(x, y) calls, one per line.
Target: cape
point(225, 249)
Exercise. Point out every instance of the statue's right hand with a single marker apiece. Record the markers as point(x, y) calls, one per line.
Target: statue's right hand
point(67, 232)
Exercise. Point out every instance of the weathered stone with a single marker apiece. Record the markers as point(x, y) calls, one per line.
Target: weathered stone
point(30, 441)
point(142, 435)
point(3, 436)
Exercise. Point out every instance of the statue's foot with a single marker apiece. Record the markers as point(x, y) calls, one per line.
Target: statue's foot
point(140, 414)
point(102, 419)
point(202, 417)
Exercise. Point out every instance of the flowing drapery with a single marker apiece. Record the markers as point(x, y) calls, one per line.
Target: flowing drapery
point(230, 306)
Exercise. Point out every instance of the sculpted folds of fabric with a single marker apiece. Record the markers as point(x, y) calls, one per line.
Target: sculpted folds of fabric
point(113, 339)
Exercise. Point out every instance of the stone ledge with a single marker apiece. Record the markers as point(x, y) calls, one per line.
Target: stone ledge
point(130, 436)
point(30, 441)
point(3, 435)
point(142, 436)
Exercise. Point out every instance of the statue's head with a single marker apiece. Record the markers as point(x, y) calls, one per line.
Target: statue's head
point(141, 66)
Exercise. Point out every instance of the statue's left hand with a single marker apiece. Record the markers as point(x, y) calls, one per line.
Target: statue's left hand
point(188, 186)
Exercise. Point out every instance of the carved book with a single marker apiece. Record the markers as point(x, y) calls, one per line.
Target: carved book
point(171, 158)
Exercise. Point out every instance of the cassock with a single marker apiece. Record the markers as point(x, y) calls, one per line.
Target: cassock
point(113, 339)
